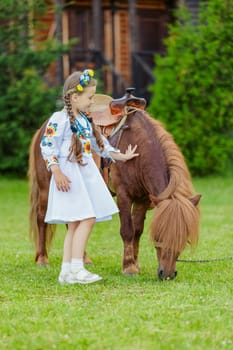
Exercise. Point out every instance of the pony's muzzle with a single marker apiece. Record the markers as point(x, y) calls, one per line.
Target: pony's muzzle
point(162, 275)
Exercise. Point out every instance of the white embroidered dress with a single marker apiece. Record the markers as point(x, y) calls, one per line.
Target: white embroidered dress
point(88, 196)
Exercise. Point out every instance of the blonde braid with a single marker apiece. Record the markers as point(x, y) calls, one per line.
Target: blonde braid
point(98, 136)
point(76, 145)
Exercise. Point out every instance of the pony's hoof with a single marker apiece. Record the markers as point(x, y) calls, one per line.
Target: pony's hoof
point(138, 267)
point(42, 261)
point(88, 262)
point(131, 270)
point(43, 265)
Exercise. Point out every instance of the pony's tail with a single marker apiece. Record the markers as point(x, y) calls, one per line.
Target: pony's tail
point(34, 193)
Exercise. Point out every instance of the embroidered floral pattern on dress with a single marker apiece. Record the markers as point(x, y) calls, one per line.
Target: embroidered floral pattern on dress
point(87, 147)
point(51, 160)
point(49, 132)
point(51, 129)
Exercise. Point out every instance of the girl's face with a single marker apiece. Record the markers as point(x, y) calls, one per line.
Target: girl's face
point(82, 102)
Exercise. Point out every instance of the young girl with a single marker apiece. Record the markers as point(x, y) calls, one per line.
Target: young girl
point(78, 195)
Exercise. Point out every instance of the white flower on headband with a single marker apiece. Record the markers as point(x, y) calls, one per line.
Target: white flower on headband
point(84, 79)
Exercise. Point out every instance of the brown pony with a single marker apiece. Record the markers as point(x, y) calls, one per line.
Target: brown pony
point(159, 176)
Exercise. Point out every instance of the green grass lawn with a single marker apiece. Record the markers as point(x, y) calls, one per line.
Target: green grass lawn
point(194, 311)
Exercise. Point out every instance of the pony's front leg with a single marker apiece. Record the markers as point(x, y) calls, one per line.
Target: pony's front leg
point(138, 215)
point(129, 266)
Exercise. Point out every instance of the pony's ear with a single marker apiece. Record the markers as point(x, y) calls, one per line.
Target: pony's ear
point(154, 199)
point(195, 200)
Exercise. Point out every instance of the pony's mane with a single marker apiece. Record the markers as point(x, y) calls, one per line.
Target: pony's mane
point(180, 180)
point(176, 220)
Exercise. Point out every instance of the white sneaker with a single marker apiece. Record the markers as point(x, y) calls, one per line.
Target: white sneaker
point(83, 277)
point(64, 278)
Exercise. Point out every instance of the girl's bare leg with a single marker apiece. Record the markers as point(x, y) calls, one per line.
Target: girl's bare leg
point(67, 251)
point(80, 237)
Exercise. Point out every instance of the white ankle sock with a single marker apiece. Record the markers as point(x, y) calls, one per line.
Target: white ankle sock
point(76, 265)
point(65, 267)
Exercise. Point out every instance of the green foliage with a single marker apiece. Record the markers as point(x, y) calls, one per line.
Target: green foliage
point(26, 99)
point(26, 105)
point(192, 93)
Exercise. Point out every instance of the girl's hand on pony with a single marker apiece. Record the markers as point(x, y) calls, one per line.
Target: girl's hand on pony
point(61, 180)
point(129, 154)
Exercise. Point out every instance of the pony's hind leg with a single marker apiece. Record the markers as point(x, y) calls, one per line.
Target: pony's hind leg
point(43, 229)
point(41, 257)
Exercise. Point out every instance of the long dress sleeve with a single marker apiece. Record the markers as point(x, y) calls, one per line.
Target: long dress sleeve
point(52, 139)
point(107, 148)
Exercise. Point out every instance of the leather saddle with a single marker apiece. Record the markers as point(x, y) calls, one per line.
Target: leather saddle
point(107, 112)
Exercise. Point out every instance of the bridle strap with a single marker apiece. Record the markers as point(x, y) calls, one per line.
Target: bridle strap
point(119, 126)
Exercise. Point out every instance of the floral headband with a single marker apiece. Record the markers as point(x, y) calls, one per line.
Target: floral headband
point(84, 79)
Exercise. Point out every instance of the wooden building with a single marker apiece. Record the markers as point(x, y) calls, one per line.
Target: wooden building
point(119, 39)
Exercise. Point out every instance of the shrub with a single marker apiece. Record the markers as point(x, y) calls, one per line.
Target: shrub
point(26, 99)
point(25, 106)
point(192, 92)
